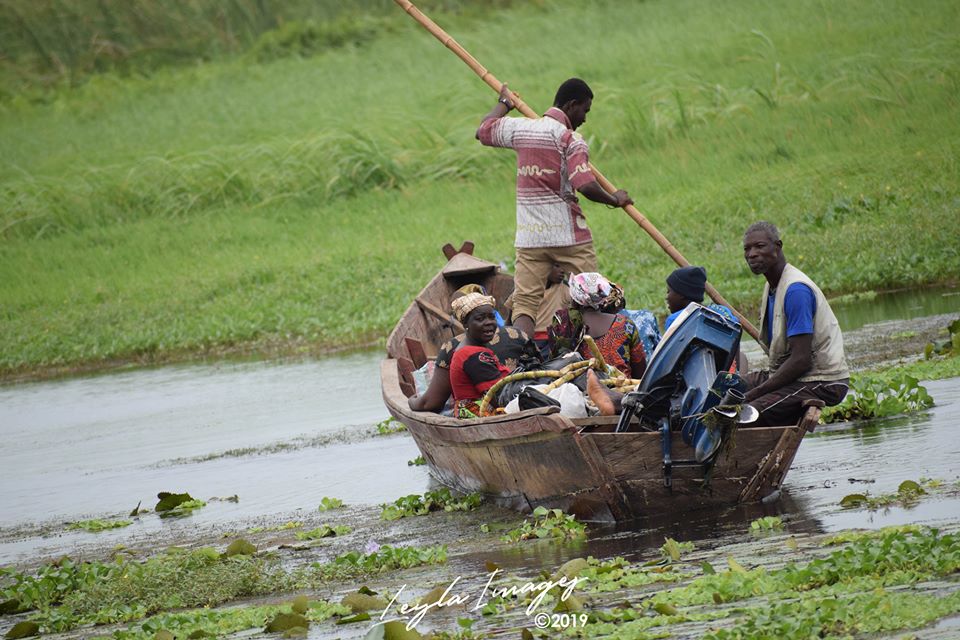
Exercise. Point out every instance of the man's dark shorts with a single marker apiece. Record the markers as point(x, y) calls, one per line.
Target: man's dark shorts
point(784, 406)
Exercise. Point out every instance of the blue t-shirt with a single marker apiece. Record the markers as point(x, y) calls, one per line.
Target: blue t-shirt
point(799, 305)
point(722, 310)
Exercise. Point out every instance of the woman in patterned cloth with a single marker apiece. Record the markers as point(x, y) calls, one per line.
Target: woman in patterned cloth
point(474, 368)
point(596, 302)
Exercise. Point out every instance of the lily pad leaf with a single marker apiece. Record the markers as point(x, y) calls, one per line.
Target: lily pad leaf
point(23, 629)
point(285, 622)
point(735, 566)
point(200, 633)
point(572, 568)
point(239, 547)
point(910, 487)
point(170, 501)
point(96, 526)
point(672, 549)
point(328, 504)
point(163, 634)
point(360, 602)
point(665, 608)
point(707, 568)
point(9, 606)
point(360, 617)
point(300, 605)
point(853, 500)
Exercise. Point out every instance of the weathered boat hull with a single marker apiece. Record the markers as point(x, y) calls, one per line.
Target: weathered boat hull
point(540, 457)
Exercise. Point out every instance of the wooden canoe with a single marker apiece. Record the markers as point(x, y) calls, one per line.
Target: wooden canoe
point(540, 457)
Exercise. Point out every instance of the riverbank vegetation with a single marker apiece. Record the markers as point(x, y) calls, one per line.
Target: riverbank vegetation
point(888, 390)
point(233, 201)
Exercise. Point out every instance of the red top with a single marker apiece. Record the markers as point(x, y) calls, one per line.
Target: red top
point(473, 370)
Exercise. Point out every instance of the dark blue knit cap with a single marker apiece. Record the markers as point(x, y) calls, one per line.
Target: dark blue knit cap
point(689, 282)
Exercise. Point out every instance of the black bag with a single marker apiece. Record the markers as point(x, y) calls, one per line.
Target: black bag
point(512, 389)
point(531, 398)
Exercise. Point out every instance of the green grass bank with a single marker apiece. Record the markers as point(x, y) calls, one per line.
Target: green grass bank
point(297, 203)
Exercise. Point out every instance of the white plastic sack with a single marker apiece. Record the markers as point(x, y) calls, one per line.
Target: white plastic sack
point(568, 395)
point(422, 376)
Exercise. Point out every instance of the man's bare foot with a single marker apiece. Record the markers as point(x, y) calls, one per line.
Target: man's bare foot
point(599, 394)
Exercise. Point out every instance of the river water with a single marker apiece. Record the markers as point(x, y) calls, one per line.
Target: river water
point(279, 436)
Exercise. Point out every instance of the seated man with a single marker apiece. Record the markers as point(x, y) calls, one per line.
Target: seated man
point(689, 284)
point(686, 285)
point(797, 326)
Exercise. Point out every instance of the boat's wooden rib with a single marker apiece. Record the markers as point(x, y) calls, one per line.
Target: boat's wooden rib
point(773, 467)
point(540, 457)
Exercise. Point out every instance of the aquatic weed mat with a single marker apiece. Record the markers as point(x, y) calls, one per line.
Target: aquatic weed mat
point(839, 585)
point(281, 532)
point(273, 561)
point(844, 584)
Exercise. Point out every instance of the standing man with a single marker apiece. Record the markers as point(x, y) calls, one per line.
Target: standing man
point(807, 360)
point(552, 165)
point(556, 295)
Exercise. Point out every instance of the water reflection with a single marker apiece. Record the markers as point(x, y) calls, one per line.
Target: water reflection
point(896, 305)
point(835, 462)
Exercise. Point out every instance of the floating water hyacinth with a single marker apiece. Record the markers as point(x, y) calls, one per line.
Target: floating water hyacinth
point(372, 547)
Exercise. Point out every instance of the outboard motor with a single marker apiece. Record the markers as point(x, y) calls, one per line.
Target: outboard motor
point(687, 377)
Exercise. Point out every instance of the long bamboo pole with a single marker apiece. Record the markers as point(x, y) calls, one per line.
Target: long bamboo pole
point(523, 108)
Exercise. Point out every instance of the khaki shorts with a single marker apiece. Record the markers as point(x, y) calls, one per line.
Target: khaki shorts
point(534, 265)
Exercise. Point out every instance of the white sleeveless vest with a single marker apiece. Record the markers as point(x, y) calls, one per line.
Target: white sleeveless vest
point(829, 360)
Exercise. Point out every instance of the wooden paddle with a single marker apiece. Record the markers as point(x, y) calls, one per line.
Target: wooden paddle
point(523, 108)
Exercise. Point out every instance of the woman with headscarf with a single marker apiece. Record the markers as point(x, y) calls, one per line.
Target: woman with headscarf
point(594, 312)
point(512, 347)
point(474, 367)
